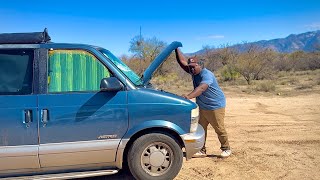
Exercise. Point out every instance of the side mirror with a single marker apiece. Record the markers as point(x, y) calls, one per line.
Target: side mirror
point(110, 84)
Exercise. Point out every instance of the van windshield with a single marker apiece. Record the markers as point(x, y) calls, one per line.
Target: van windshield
point(123, 67)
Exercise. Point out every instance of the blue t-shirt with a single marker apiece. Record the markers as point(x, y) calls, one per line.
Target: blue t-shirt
point(213, 98)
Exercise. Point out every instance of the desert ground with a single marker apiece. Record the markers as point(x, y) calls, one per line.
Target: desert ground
point(271, 136)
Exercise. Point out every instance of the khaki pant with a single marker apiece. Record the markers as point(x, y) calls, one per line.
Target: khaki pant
point(216, 119)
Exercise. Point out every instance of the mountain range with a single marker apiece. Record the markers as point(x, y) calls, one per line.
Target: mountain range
point(308, 42)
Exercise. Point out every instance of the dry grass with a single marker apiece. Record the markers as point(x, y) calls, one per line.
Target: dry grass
point(266, 86)
point(173, 83)
point(284, 83)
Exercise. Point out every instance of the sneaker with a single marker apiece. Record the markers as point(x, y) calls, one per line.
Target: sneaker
point(225, 153)
point(199, 154)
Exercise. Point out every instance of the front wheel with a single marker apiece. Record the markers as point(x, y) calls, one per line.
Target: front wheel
point(155, 156)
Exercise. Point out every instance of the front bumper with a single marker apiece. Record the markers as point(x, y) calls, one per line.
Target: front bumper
point(193, 142)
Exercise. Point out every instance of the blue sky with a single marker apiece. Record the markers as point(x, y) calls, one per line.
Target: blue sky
point(112, 24)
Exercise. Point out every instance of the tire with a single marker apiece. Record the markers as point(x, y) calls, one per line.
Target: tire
point(155, 156)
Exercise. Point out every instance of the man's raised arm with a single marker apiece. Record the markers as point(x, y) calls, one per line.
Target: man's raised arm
point(182, 60)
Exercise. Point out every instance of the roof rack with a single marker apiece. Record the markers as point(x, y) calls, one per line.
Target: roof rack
point(25, 38)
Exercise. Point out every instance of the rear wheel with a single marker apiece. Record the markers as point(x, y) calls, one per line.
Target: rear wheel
point(155, 156)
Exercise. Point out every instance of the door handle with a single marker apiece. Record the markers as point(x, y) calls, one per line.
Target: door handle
point(44, 116)
point(27, 117)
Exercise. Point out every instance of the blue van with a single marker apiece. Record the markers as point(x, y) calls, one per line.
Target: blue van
point(74, 111)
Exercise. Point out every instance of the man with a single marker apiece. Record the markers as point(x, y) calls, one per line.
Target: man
point(210, 99)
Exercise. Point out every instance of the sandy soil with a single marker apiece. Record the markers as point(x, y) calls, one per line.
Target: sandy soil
point(271, 137)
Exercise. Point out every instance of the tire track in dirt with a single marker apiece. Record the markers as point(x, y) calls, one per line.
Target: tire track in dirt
point(262, 108)
point(295, 142)
point(195, 173)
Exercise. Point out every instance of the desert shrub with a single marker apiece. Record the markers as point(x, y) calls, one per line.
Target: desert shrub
point(282, 74)
point(284, 63)
point(229, 73)
point(248, 89)
point(256, 63)
point(304, 86)
point(308, 61)
point(169, 79)
point(293, 81)
point(266, 86)
point(317, 81)
point(302, 73)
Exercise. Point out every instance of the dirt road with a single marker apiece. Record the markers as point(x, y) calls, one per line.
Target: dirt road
point(271, 138)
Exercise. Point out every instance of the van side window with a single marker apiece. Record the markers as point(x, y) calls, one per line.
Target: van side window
point(16, 72)
point(74, 71)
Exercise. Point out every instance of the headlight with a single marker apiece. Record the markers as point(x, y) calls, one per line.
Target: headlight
point(194, 119)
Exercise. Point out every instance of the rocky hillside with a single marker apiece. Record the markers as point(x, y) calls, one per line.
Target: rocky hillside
point(308, 42)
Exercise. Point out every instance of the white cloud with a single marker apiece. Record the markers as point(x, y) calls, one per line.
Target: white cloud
point(313, 26)
point(215, 37)
point(211, 37)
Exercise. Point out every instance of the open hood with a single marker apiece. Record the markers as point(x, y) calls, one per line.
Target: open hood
point(158, 61)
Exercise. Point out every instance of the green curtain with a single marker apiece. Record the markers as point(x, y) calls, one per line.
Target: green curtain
point(74, 70)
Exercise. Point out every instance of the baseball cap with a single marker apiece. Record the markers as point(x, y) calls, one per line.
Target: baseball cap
point(193, 60)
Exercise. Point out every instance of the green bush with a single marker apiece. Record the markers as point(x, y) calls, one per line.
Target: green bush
point(229, 73)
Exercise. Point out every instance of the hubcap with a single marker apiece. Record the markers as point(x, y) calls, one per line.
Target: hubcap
point(156, 159)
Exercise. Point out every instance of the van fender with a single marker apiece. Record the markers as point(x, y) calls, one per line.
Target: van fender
point(153, 124)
